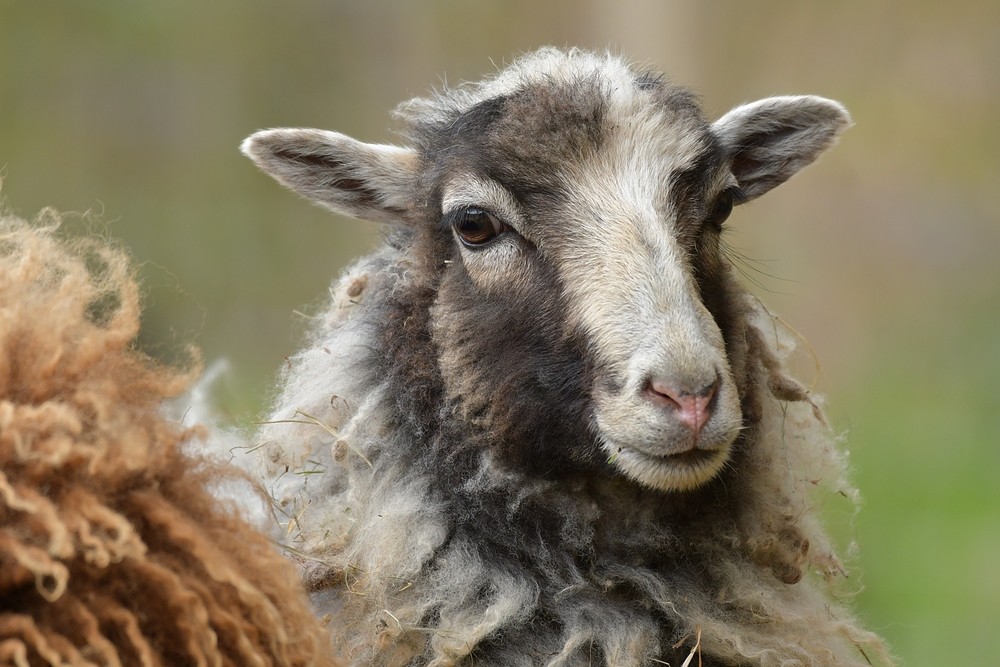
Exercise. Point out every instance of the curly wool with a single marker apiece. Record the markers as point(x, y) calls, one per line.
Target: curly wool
point(112, 549)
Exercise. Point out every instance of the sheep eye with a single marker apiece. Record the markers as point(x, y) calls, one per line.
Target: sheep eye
point(476, 226)
point(723, 206)
point(721, 209)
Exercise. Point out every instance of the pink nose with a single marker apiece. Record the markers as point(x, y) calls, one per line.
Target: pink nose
point(691, 407)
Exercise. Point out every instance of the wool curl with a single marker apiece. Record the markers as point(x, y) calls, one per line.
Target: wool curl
point(113, 551)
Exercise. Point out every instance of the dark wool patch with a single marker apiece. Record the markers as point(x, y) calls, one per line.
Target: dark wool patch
point(649, 80)
point(407, 357)
point(471, 127)
point(553, 123)
point(679, 101)
point(523, 140)
point(524, 382)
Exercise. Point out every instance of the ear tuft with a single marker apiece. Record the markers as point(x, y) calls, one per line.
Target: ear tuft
point(772, 139)
point(368, 181)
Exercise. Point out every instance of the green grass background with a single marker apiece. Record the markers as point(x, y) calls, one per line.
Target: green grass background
point(885, 255)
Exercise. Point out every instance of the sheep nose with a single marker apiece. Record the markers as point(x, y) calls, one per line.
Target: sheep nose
point(691, 407)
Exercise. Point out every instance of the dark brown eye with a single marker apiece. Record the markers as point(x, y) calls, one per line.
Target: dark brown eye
point(721, 209)
point(723, 206)
point(475, 226)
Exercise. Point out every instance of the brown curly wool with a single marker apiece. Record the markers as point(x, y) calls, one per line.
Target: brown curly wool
point(112, 550)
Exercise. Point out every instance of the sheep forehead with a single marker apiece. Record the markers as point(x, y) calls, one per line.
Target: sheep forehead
point(612, 77)
point(548, 65)
point(553, 165)
point(558, 122)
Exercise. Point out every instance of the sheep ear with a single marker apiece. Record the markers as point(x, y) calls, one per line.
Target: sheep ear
point(368, 181)
point(772, 139)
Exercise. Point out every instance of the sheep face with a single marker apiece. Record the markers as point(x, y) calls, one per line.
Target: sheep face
point(575, 231)
point(569, 213)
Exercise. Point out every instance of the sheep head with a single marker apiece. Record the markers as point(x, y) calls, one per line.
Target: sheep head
point(568, 212)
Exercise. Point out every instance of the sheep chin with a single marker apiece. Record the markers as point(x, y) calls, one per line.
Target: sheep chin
point(673, 472)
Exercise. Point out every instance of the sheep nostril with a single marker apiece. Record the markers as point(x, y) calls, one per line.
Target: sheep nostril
point(692, 408)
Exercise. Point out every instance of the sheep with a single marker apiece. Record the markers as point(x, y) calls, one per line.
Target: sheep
point(113, 549)
point(543, 423)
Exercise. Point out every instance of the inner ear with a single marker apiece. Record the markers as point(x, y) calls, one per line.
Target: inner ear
point(770, 140)
point(349, 177)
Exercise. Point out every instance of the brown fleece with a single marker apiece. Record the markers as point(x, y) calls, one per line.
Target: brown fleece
point(112, 549)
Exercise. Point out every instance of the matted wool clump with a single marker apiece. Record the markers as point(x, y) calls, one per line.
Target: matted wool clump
point(112, 549)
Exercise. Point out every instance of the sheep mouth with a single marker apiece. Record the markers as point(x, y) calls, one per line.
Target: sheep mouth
point(679, 471)
point(692, 458)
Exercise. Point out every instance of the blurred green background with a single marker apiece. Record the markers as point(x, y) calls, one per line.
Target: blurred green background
point(884, 255)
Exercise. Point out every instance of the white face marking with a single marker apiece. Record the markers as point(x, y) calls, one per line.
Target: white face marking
point(631, 290)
